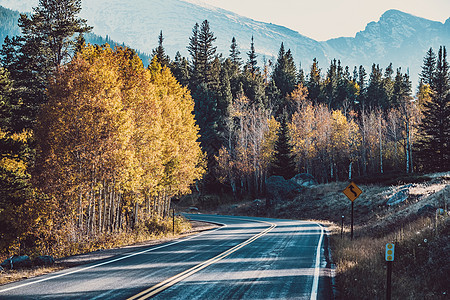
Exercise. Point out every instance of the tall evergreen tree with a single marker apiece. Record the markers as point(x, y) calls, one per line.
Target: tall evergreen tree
point(284, 164)
point(47, 41)
point(193, 49)
point(252, 63)
point(434, 145)
point(401, 88)
point(285, 72)
point(235, 53)
point(388, 83)
point(376, 96)
point(314, 81)
point(180, 69)
point(301, 75)
point(428, 67)
point(207, 51)
point(159, 53)
point(362, 83)
point(330, 85)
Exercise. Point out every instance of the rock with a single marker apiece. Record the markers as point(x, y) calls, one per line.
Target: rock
point(193, 209)
point(304, 179)
point(44, 260)
point(398, 197)
point(278, 188)
point(15, 262)
point(426, 210)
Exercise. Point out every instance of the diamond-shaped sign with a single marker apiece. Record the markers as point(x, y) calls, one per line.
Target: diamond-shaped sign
point(352, 191)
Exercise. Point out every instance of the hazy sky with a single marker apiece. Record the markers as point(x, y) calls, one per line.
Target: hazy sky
point(325, 19)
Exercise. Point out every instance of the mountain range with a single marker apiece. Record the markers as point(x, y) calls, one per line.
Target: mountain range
point(396, 37)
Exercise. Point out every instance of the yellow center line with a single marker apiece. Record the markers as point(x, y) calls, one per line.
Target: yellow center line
point(181, 276)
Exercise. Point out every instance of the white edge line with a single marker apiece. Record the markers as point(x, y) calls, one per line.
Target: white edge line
point(110, 261)
point(315, 285)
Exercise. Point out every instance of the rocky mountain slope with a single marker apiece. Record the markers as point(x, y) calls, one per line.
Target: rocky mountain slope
point(397, 37)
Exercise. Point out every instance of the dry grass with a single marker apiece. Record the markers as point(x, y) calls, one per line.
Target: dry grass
point(422, 262)
point(420, 269)
point(16, 275)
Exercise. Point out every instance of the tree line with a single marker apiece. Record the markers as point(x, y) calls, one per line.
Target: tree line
point(334, 123)
point(95, 143)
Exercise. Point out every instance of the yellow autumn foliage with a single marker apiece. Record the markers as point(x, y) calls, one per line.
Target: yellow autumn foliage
point(115, 136)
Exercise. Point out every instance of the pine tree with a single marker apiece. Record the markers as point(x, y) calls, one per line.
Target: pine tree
point(203, 54)
point(252, 63)
point(254, 88)
point(388, 83)
point(301, 75)
point(401, 89)
point(314, 82)
point(207, 118)
point(330, 85)
point(180, 69)
point(434, 145)
point(284, 164)
point(161, 57)
point(45, 44)
point(207, 51)
point(285, 72)
point(362, 83)
point(50, 29)
point(235, 53)
point(428, 68)
point(193, 49)
point(376, 96)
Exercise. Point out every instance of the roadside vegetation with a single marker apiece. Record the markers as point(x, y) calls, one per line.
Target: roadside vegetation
point(417, 227)
point(96, 148)
point(149, 230)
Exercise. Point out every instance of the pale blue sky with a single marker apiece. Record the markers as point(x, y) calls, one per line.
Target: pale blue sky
point(325, 19)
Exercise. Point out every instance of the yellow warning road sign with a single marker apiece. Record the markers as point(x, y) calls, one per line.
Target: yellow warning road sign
point(352, 191)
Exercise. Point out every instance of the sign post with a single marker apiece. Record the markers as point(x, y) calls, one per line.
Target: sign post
point(352, 191)
point(389, 256)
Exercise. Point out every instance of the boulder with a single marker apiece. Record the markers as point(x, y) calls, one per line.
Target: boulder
point(398, 197)
point(44, 260)
point(304, 179)
point(426, 210)
point(193, 209)
point(278, 188)
point(16, 261)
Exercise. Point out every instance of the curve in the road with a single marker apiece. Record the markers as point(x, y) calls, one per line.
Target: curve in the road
point(179, 277)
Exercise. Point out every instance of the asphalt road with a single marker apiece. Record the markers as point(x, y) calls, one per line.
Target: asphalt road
point(247, 258)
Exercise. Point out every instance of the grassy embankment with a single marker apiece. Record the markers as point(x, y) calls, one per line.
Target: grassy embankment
point(422, 238)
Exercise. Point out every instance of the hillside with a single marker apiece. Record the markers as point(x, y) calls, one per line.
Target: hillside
point(8, 23)
point(8, 27)
point(419, 227)
point(396, 37)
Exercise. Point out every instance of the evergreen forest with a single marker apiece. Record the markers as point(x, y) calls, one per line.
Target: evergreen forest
point(94, 143)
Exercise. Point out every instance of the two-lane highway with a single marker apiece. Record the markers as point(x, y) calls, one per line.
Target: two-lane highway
point(246, 258)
